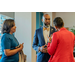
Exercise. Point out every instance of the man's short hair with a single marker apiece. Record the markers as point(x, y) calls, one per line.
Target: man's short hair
point(44, 14)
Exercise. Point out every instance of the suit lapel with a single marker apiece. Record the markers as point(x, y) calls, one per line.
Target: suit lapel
point(51, 31)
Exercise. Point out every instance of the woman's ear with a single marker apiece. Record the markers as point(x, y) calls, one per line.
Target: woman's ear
point(56, 27)
point(63, 23)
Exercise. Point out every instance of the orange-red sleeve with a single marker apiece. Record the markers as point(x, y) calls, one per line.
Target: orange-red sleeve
point(48, 45)
point(53, 45)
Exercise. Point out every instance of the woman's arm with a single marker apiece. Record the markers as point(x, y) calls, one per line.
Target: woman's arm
point(9, 52)
point(53, 45)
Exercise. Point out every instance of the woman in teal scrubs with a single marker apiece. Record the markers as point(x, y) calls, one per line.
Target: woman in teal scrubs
point(9, 43)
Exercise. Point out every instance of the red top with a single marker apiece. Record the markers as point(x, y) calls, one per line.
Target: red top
point(62, 46)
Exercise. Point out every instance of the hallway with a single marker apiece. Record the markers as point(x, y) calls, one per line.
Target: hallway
point(26, 22)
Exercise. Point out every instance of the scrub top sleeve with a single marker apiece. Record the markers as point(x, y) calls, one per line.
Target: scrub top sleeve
point(6, 43)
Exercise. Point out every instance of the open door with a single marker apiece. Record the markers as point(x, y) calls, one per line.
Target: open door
point(39, 19)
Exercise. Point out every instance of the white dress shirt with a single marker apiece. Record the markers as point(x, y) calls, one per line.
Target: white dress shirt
point(45, 33)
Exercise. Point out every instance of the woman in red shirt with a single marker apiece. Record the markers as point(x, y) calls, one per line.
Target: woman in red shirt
point(62, 44)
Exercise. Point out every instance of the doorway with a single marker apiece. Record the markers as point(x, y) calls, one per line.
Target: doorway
point(39, 19)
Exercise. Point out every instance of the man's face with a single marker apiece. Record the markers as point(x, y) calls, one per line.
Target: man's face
point(46, 20)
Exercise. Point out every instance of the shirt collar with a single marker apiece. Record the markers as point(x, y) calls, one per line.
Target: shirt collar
point(62, 29)
point(48, 27)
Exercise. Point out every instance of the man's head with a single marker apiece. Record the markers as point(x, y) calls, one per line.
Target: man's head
point(46, 20)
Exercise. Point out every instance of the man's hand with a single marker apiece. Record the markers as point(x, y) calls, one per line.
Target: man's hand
point(43, 49)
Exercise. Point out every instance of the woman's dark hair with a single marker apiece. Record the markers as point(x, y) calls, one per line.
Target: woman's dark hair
point(58, 22)
point(7, 25)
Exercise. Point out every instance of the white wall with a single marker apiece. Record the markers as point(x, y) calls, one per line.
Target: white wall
point(26, 25)
point(68, 18)
point(10, 14)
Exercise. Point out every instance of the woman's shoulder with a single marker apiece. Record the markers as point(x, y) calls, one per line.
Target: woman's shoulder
point(71, 33)
point(6, 35)
point(56, 32)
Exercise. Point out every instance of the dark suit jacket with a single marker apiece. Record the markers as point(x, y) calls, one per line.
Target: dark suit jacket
point(39, 41)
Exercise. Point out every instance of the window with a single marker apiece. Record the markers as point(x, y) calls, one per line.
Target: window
point(2, 18)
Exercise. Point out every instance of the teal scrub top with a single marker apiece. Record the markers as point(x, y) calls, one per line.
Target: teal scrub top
point(8, 41)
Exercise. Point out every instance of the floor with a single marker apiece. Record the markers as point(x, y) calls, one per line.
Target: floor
point(74, 58)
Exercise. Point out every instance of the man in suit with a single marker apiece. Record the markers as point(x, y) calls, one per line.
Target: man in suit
point(40, 39)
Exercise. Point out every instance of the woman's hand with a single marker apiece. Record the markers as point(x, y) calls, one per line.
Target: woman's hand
point(20, 47)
